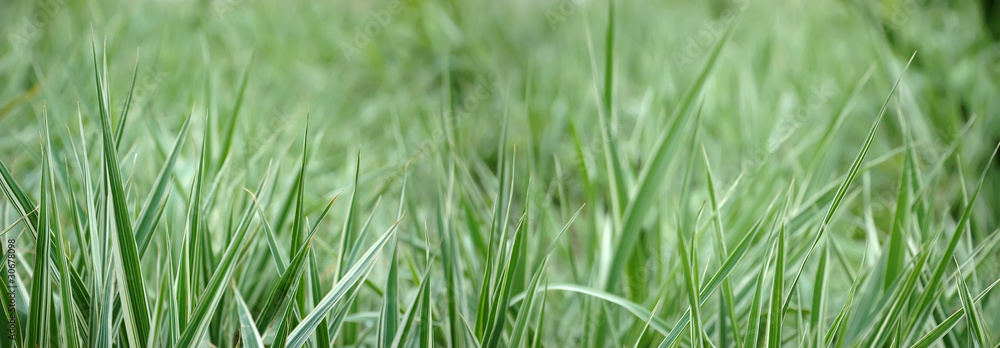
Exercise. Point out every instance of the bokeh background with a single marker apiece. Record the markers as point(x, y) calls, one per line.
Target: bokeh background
point(378, 80)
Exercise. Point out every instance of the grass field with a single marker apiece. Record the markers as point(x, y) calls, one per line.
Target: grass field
point(572, 173)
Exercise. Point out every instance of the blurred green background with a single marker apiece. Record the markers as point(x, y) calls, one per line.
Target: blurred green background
point(385, 93)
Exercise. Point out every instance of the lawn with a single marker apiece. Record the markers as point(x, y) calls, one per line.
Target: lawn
point(570, 173)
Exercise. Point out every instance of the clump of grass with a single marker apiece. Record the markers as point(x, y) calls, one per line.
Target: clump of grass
point(850, 235)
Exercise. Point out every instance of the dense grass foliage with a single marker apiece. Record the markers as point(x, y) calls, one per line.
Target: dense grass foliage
point(422, 173)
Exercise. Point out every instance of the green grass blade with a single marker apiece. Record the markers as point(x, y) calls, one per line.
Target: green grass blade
point(896, 253)
point(817, 313)
point(18, 198)
point(452, 274)
point(612, 156)
point(187, 279)
point(528, 297)
point(340, 315)
point(159, 310)
point(651, 177)
point(645, 327)
point(284, 321)
point(120, 130)
point(903, 296)
point(389, 320)
point(272, 243)
point(720, 249)
point(946, 325)
point(734, 258)
point(975, 322)
point(754, 318)
point(130, 279)
point(525, 309)
point(928, 297)
point(723, 272)
point(352, 277)
point(323, 331)
point(635, 309)
point(841, 321)
point(505, 287)
point(249, 336)
point(826, 140)
point(212, 293)
point(844, 186)
point(410, 316)
point(426, 326)
point(775, 314)
point(492, 258)
point(347, 240)
point(297, 218)
point(231, 129)
point(690, 269)
point(68, 318)
point(539, 270)
point(281, 289)
point(37, 334)
point(153, 206)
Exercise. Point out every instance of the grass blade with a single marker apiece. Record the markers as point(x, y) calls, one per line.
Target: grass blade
point(231, 129)
point(279, 292)
point(690, 270)
point(927, 299)
point(403, 334)
point(41, 294)
point(323, 331)
point(130, 279)
point(975, 322)
point(651, 176)
point(817, 312)
point(945, 326)
point(842, 191)
point(352, 277)
point(723, 272)
point(120, 130)
point(68, 329)
point(249, 336)
point(720, 249)
point(390, 301)
point(212, 294)
point(151, 209)
point(754, 318)
point(635, 309)
point(775, 314)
